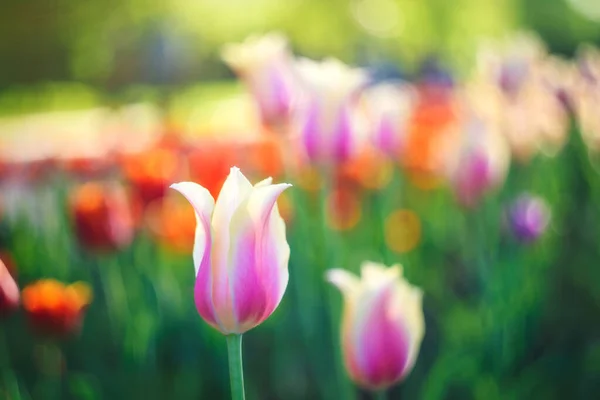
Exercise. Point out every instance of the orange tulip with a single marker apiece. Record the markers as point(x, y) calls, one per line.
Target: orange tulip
point(427, 136)
point(56, 309)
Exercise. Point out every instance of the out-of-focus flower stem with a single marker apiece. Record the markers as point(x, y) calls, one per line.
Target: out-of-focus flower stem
point(236, 369)
point(51, 369)
point(331, 250)
point(386, 199)
point(380, 395)
point(8, 381)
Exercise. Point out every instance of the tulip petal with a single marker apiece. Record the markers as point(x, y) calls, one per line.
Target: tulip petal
point(234, 192)
point(265, 182)
point(259, 255)
point(375, 275)
point(203, 204)
point(382, 344)
point(311, 132)
point(386, 138)
point(407, 309)
point(347, 282)
point(342, 135)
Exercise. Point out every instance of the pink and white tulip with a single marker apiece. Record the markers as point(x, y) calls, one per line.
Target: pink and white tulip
point(388, 108)
point(478, 158)
point(329, 126)
point(240, 252)
point(264, 64)
point(382, 325)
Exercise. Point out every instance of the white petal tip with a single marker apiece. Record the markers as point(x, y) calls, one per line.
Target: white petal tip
point(177, 186)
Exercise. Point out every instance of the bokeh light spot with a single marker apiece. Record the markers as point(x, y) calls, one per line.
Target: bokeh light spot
point(402, 231)
point(378, 17)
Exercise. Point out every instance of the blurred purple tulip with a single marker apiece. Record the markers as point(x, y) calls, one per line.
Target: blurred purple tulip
point(528, 217)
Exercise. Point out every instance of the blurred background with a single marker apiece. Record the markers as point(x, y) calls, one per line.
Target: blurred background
point(104, 104)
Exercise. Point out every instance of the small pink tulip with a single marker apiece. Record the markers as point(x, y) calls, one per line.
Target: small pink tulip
point(478, 159)
point(264, 63)
point(382, 325)
point(329, 127)
point(240, 252)
point(389, 108)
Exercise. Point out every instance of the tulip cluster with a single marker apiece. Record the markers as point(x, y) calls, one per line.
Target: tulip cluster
point(340, 132)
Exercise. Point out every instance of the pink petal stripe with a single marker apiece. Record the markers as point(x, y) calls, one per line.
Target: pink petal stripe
point(383, 345)
point(260, 256)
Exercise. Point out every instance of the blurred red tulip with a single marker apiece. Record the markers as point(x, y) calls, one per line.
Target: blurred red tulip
point(33, 171)
point(9, 291)
point(88, 167)
point(102, 215)
point(56, 309)
point(209, 164)
point(152, 171)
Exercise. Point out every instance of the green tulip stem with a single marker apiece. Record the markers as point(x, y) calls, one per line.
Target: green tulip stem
point(380, 395)
point(236, 369)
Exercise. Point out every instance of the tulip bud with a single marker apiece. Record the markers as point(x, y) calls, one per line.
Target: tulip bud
point(9, 291)
point(240, 252)
point(528, 217)
point(382, 324)
point(55, 309)
point(264, 64)
point(328, 123)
